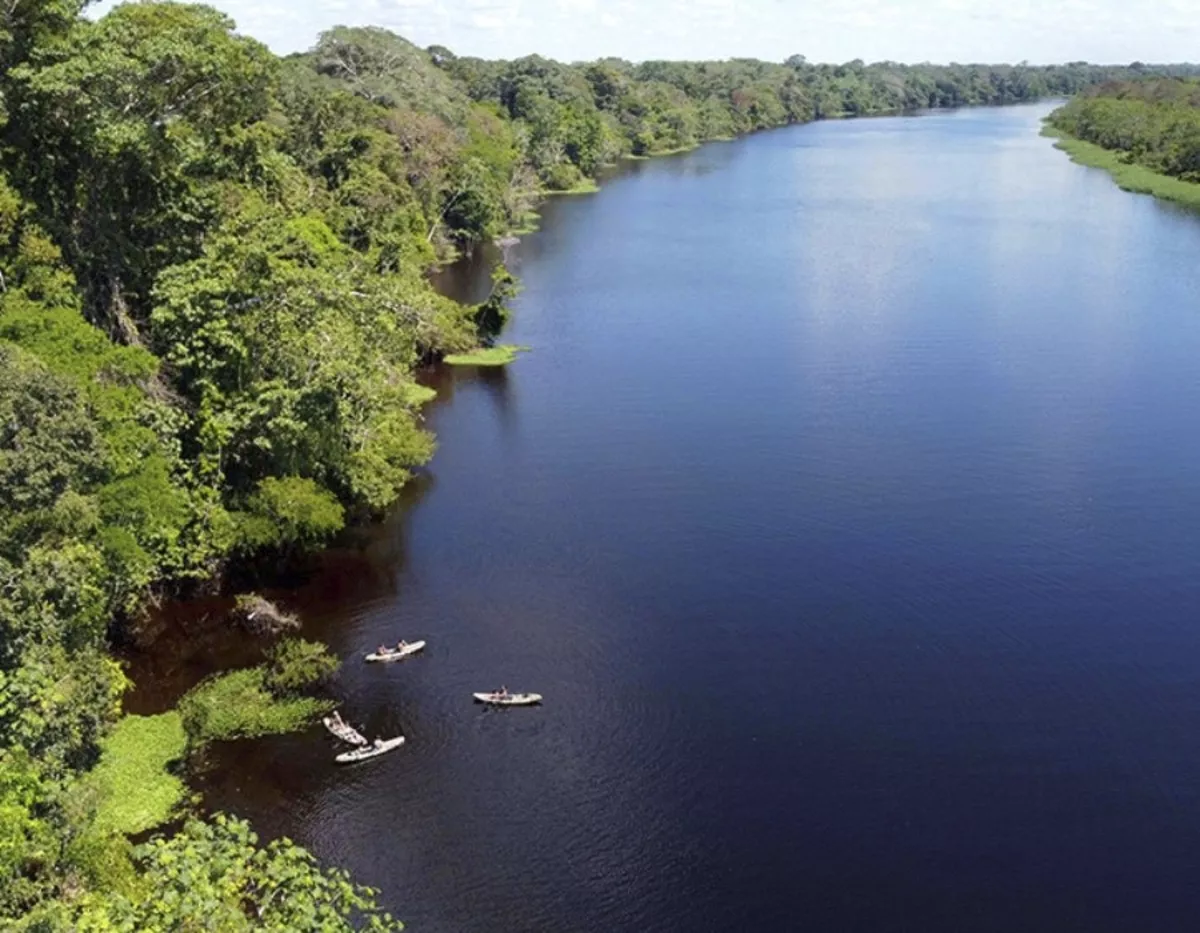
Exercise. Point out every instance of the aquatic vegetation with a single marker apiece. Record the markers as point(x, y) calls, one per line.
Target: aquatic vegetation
point(500, 355)
point(239, 704)
point(214, 298)
point(1129, 176)
point(586, 186)
point(418, 395)
point(134, 788)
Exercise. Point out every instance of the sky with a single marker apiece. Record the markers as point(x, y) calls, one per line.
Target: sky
point(1039, 31)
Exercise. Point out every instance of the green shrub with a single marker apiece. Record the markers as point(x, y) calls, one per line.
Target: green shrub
point(238, 704)
point(288, 512)
point(216, 875)
point(562, 177)
point(295, 664)
point(105, 860)
point(1129, 176)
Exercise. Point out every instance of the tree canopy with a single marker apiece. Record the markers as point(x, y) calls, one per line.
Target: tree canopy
point(214, 301)
point(1152, 122)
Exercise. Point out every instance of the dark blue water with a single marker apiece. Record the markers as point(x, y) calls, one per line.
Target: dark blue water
point(847, 513)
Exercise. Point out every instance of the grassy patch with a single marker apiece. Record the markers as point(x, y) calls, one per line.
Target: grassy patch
point(237, 704)
point(658, 153)
point(417, 395)
point(135, 790)
point(587, 186)
point(529, 222)
point(486, 356)
point(1128, 176)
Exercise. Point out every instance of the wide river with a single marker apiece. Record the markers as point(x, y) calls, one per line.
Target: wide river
point(847, 513)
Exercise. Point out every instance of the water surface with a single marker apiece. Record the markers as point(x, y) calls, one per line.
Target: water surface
point(846, 512)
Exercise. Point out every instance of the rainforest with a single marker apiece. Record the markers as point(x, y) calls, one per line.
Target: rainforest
point(1145, 132)
point(214, 308)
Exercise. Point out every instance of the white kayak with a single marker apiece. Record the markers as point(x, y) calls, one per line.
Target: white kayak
point(509, 699)
point(370, 751)
point(397, 654)
point(344, 731)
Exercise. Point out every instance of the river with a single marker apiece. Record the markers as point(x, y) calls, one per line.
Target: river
point(847, 513)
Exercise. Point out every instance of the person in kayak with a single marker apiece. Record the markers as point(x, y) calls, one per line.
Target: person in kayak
point(501, 693)
point(382, 649)
point(401, 645)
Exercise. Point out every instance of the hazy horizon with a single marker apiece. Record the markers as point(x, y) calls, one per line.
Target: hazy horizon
point(910, 31)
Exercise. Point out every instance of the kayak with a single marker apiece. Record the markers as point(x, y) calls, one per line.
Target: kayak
point(407, 651)
point(370, 751)
point(343, 731)
point(513, 699)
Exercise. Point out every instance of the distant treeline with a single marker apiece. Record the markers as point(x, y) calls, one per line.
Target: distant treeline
point(213, 300)
point(1152, 122)
point(560, 122)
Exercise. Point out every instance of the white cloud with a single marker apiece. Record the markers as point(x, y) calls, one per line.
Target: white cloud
point(486, 21)
point(823, 30)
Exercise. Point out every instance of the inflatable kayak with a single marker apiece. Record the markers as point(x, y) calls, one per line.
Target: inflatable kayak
point(370, 751)
point(509, 699)
point(344, 731)
point(397, 654)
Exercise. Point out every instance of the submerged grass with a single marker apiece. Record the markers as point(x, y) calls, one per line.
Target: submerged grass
point(237, 704)
point(134, 789)
point(1128, 176)
point(487, 356)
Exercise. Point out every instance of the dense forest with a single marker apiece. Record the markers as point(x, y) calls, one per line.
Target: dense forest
point(213, 301)
point(1152, 122)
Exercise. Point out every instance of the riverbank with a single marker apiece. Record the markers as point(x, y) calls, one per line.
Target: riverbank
point(786, 577)
point(209, 354)
point(499, 356)
point(1129, 176)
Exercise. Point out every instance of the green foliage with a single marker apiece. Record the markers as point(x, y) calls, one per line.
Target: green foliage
point(238, 704)
point(29, 843)
point(563, 176)
point(492, 314)
point(289, 512)
point(583, 186)
point(122, 130)
point(58, 688)
point(134, 788)
point(1146, 133)
point(1128, 176)
point(386, 69)
point(48, 440)
point(217, 876)
point(294, 664)
point(295, 354)
point(417, 395)
point(213, 299)
point(500, 355)
point(57, 705)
